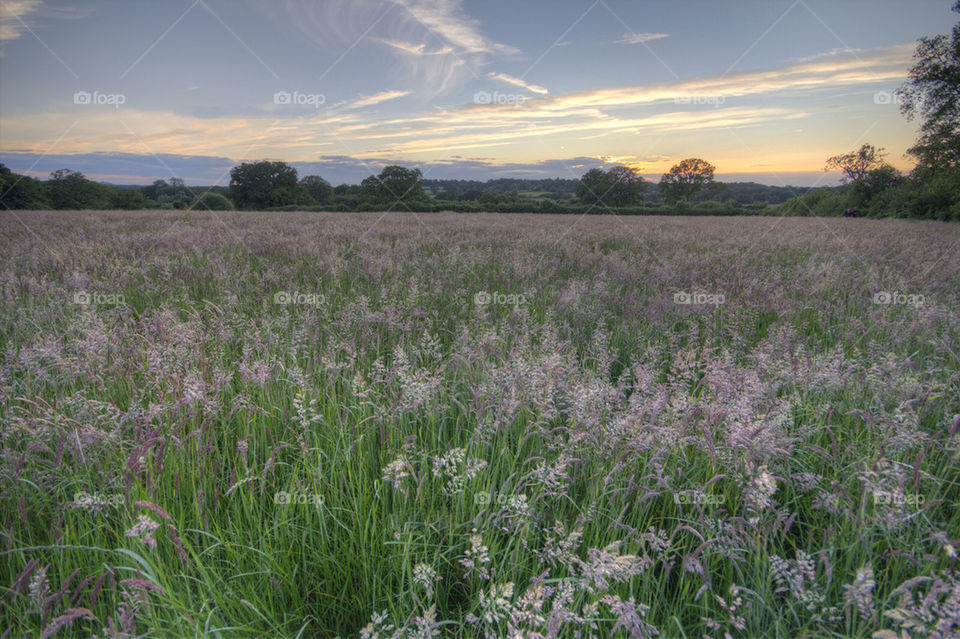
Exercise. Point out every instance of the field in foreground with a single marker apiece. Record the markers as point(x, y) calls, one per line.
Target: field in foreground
point(243, 425)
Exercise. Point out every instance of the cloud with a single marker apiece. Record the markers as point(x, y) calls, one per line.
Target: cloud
point(515, 128)
point(13, 14)
point(439, 45)
point(640, 38)
point(377, 98)
point(447, 20)
point(832, 53)
point(877, 66)
point(509, 79)
point(416, 49)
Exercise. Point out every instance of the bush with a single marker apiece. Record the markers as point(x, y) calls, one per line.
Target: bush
point(212, 202)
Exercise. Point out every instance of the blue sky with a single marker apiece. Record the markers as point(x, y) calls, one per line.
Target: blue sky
point(130, 91)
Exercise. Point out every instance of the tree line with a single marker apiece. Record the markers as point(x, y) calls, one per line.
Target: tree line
point(272, 185)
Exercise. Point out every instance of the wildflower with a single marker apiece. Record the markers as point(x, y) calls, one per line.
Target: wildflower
point(495, 606)
point(476, 560)
point(629, 615)
point(860, 592)
point(426, 576)
point(396, 471)
point(143, 530)
point(606, 565)
point(426, 625)
point(378, 624)
point(38, 587)
point(457, 469)
point(759, 494)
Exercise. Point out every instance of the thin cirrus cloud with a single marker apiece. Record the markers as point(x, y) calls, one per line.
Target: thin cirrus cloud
point(447, 20)
point(640, 38)
point(377, 98)
point(13, 16)
point(518, 82)
point(442, 46)
point(416, 49)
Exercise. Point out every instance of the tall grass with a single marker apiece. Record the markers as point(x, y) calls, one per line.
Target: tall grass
point(325, 425)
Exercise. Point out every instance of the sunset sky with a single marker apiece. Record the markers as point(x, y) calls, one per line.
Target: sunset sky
point(129, 91)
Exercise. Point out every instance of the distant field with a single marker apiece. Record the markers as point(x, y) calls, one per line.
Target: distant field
point(478, 425)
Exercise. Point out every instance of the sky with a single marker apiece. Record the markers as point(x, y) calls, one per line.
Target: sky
point(129, 91)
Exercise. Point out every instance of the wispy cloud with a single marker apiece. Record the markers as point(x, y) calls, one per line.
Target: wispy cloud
point(640, 38)
point(416, 49)
point(377, 98)
point(436, 133)
point(441, 46)
point(447, 20)
point(509, 79)
point(832, 53)
point(13, 14)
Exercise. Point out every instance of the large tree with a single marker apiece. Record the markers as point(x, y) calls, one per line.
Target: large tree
point(932, 91)
point(318, 188)
point(857, 164)
point(686, 179)
point(68, 189)
point(259, 185)
point(394, 184)
point(618, 186)
point(21, 192)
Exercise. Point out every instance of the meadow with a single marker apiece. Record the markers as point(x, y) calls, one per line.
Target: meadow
point(394, 425)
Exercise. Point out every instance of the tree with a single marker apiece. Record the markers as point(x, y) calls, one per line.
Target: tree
point(210, 201)
point(20, 191)
point(317, 188)
point(932, 90)
point(856, 164)
point(259, 185)
point(155, 190)
point(625, 186)
point(128, 198)
point(592, 186)
point(875, 182)
point(686, 179)
point(619, 186)
point(68, 189)
point(394, 184)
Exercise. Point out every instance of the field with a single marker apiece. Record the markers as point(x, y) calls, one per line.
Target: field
point(478, 425)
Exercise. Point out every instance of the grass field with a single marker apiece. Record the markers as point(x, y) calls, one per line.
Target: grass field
point(398, 425)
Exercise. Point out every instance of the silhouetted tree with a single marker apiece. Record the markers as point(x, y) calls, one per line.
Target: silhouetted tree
point(932, 91)
point(856, 164)
point(686, 179)
point(618, 186)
